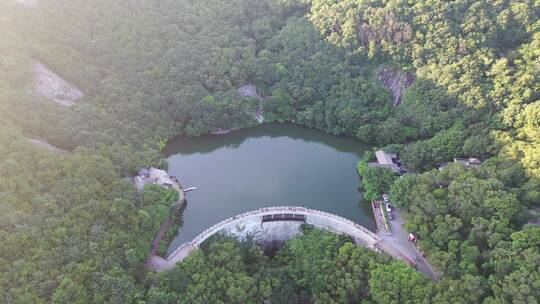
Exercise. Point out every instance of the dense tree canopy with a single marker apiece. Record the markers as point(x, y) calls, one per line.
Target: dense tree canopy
point(375, 181)
point(320, 265)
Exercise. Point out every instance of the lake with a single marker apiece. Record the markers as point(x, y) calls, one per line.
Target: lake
point(273, 164)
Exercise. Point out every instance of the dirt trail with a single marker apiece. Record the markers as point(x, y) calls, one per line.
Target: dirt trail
point(154, 262)
point(161, 233)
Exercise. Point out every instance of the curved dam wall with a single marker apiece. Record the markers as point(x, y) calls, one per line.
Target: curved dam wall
point(277, 224)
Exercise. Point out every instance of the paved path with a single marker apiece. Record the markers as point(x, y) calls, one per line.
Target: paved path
point(398, 243)
point(158, 263)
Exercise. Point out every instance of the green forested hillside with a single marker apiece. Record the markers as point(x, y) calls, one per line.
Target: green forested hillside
point(74, 230)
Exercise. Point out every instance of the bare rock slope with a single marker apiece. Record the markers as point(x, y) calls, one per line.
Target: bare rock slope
point(49, 85)
point(29, 3)
point(396, 81)
point(250, 90)
point(44, 144)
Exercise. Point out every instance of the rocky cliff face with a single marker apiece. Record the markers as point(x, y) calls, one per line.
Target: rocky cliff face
point(50, 86)
point(396, 81)
point(250, 90)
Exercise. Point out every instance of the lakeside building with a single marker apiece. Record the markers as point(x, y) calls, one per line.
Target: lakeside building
point(388, 161)
point(467, 162)
point(154, 176)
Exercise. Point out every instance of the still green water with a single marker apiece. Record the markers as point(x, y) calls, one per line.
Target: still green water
point(274, 164)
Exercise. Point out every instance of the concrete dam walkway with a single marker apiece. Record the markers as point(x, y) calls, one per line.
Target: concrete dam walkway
point(278, 224)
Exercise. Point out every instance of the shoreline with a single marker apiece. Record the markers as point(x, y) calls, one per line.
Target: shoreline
point(223, 131)
point(232, 130)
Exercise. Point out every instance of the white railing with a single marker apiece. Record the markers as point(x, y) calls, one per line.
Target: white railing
point(267, 211)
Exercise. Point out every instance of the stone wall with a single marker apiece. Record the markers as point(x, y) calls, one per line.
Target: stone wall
point(251, 224)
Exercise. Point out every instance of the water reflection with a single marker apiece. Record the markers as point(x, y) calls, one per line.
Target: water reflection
point(210, 143)
point(265, 166)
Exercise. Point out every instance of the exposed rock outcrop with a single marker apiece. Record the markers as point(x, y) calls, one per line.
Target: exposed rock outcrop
point(49, 85)
point(396, 81)
point(250, 90)
point(29, 3)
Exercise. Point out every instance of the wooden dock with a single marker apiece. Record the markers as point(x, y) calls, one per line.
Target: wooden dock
point(190, 189)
